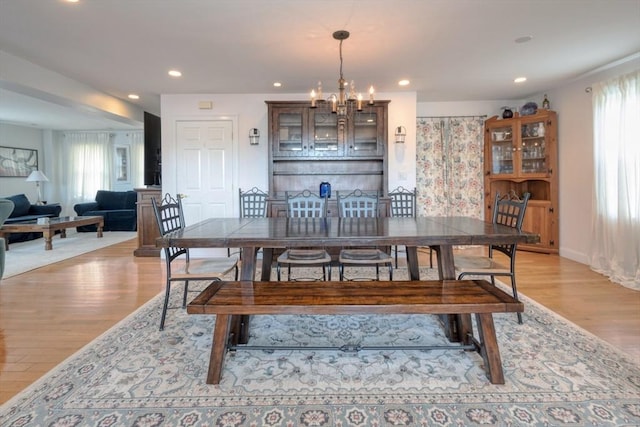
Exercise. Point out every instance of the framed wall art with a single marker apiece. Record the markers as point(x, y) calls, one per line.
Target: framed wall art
point(17, 162)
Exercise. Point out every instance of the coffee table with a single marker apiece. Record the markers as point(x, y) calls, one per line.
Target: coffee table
point(49, 226)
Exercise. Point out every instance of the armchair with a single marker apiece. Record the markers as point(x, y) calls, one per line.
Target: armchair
point(118, 208)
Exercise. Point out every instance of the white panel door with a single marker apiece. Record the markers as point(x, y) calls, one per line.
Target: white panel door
point(205, 168)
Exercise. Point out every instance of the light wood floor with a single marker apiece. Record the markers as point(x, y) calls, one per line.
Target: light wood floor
point(48, 314)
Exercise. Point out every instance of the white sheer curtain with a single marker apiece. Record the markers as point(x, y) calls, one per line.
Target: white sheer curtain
point(88, 165)
point(615, 248)
point(136, 139)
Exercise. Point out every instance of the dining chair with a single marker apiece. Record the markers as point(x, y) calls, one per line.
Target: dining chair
point(301, 207)
point(253, 203)
point(179, 265)
point(359, 204)
point(403, 204)
point(6, 207)
point(508, 210)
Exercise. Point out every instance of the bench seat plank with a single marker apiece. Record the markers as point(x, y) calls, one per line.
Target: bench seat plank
point(227, 300)
point(372, 297)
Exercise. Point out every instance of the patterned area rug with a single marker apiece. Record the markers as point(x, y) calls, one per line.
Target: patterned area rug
point(134, 375)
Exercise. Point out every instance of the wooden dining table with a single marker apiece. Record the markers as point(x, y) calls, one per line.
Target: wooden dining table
point(271, 234)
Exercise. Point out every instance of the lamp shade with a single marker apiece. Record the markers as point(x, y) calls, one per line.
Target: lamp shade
point(37, 176)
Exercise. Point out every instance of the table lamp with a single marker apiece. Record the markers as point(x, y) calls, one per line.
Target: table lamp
point(38, 177)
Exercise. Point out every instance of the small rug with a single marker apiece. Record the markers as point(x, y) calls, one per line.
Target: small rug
point(26, 256)
point(135, 375)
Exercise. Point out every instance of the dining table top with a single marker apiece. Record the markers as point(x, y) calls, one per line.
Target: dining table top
point(337, 232)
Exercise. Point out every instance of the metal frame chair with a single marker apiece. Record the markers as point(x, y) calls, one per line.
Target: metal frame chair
point(508, 210)
point(253, 203)
point(300, 207)
point(359, 204)
point(179, 266)
point(403, 204)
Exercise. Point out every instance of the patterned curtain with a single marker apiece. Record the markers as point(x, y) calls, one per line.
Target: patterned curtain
point(449, 179)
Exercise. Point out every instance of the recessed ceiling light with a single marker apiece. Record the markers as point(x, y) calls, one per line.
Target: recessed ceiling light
point(72, 1)
point(524, 39)
point(175, 73)
point(519, 79)
point(277, 84)
point(133, 96)
point(404, 82)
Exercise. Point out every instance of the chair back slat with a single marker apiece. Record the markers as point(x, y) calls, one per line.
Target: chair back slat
point(253, 203)
point(170, 218)
point(509, 210)
point(403, 202)
point(306, 205)
point(357, 204)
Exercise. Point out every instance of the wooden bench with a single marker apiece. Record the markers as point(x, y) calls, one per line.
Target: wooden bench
point(460, 297)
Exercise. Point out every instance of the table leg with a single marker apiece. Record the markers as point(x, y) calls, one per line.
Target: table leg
point(47, 234)
point(267, 260)
point(63, 233)
point(240, 324)
point(100, 227)
point(446, 265)
point(456, 327)
point(412, 262)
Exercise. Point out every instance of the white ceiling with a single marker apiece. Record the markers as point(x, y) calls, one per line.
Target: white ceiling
point(451, 50)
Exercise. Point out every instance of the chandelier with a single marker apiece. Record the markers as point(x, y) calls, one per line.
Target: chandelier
point(340, 102)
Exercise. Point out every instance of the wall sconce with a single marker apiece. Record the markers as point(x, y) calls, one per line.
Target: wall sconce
point(254, 136)
point(401, 133)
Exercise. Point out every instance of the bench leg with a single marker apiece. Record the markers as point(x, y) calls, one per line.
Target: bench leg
point(218, 348)
point(489, 348)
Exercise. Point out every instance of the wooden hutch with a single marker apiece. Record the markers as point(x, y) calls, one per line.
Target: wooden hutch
point(312, 145)
point(521, 154)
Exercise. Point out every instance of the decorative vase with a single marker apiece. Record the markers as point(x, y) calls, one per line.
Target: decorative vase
point(507, 113)
point(325, 189)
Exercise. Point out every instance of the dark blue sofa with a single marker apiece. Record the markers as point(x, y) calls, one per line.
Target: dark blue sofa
point(118, 208)
point(24, 211)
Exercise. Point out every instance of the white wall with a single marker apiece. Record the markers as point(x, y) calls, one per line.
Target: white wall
point(249, 111)
point(22, 137)
point(575, 149)
point(465, 108)
point(576, 170)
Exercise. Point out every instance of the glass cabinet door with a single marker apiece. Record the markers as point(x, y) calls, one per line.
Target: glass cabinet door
point(502, 150)
point(533, 148)
point(290, 136)
point(364, 140)
point(325, 133)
